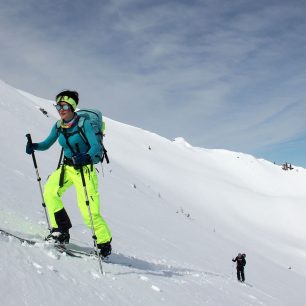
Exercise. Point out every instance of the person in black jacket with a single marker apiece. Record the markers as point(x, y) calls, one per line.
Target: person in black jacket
point(241, 262)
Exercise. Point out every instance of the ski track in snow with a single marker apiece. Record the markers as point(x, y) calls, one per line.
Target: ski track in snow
point(145, 271)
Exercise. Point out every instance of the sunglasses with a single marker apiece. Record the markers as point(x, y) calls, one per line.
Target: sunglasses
point(64, 107)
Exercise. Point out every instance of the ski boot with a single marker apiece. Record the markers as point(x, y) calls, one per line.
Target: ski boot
point(58, 236)
point(105, 248)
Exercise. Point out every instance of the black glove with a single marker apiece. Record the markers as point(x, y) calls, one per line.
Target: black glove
point(81, 159)
point(31, 147)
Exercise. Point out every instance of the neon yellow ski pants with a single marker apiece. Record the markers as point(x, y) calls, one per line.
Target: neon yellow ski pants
point(53, 193)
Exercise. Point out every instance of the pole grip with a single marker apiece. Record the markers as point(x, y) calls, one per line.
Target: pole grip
point(33, 155)
point(29, 138)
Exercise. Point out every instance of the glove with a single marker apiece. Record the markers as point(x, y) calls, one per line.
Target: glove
point(31, 147)
point(81, 159)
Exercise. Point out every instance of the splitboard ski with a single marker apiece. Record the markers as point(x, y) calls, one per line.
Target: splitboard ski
point(246, 284)
point(22, 240)
point(62, 248)
point(77, 250)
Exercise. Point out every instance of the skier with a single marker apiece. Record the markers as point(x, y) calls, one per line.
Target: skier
point(241, 262)
point(74, 160)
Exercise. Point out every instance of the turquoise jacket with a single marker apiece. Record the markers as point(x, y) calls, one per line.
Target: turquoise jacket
point(74, 139)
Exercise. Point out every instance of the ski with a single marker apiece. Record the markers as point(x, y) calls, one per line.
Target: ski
point(59, 247)
point(63, 249)
point(247, 284)
point(70, 249)
point(22, 240)
point(77, 250)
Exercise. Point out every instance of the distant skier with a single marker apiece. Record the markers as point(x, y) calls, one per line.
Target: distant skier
point(69, 174)
point(241, 262)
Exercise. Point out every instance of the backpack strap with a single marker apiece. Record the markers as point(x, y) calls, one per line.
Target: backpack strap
point(60, 164)
point(62, 175)
point(61, 179)
point(60, 159)
point(104, 155)
point(81, 131)
point(58, 129)
point(66, 135)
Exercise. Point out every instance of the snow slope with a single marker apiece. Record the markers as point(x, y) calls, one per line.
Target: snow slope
point(178, 215)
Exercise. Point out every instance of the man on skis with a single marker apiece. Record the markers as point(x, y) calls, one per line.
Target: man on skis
point(241, 262)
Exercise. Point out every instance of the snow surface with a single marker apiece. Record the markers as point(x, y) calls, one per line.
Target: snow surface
point(178, 215)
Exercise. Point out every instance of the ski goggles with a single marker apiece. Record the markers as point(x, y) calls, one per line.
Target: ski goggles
point(64, 107)
point(68, 100)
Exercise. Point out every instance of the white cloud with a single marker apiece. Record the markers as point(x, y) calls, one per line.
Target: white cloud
point(217, 74)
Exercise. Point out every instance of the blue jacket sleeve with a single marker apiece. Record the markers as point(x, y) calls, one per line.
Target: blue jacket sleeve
point(49, 141)
point(92, 139)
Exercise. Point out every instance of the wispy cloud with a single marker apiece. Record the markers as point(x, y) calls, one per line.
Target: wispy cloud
point(222, 74)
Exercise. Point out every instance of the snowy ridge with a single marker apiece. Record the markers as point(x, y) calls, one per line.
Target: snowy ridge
point(178, 215)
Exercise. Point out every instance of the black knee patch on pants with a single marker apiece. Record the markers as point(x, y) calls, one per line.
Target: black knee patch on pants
point(63, 221)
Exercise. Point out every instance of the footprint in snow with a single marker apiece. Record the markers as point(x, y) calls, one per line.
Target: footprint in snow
point(38, 267)
point(155, 288)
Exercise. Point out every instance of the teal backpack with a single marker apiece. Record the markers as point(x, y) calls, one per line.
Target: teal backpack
point(96, 121)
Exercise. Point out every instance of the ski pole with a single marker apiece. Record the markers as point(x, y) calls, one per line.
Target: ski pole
point(39, 181)
point(94, 237)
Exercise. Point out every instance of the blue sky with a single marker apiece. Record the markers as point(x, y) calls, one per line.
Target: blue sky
point(221, 74)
